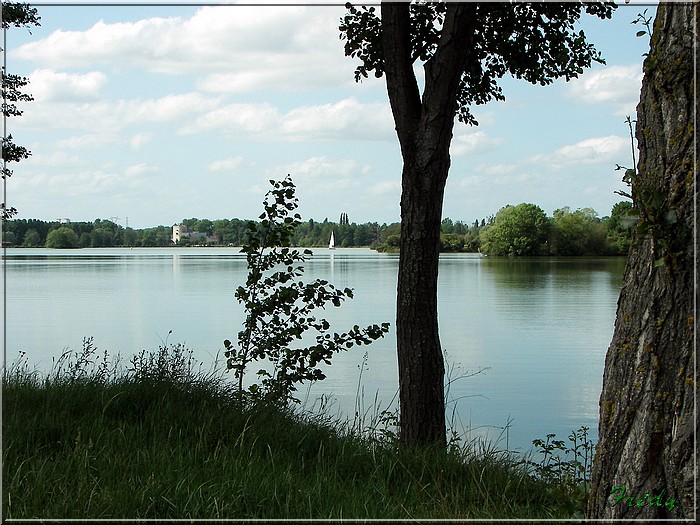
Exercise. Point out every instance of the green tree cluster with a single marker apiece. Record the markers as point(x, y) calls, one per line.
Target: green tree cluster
point(525, 229)
point(62, 237)
point(517, 230)
point(577, 233)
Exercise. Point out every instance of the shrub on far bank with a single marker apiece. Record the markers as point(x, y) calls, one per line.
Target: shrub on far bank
point(62, 237)
point(517, 230)
point(577, 233)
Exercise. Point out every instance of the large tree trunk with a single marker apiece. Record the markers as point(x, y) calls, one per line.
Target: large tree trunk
point(424, 128)
point(647, 432)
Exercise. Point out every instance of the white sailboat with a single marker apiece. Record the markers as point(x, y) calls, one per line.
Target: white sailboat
point(331, 243)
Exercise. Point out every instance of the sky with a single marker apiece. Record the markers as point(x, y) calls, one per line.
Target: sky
point(152, 114)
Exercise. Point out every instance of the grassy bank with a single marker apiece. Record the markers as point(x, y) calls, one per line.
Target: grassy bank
point(161, 441)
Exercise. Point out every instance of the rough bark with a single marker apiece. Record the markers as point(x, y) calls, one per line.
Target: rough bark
point(647, 431)
point(424, 128)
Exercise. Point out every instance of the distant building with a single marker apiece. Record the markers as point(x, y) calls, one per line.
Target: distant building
point(180, 231)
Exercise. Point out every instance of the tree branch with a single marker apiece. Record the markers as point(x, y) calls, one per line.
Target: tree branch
point(443, 71)
point(401, 83)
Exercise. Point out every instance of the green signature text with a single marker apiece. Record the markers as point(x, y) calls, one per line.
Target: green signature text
point(646, 500)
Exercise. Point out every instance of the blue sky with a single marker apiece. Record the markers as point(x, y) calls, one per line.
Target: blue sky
point(159, 113)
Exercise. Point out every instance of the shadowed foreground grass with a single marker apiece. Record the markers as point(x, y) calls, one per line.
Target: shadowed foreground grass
point(156, 444)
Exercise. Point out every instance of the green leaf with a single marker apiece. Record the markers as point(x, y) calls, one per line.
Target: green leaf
point(641, 33)
point(659, 262)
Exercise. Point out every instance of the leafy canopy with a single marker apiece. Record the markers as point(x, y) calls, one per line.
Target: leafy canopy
point(536, 42)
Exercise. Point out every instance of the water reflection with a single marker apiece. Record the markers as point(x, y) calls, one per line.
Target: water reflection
point(531, 272)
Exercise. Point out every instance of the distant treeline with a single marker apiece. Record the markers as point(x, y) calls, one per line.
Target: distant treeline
point(101, 233)
point(32, 233)
point(515, 230)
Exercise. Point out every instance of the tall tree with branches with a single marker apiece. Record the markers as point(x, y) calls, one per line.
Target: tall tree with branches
point(465, 48)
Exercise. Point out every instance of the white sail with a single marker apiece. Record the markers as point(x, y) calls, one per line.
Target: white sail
point(331, 243)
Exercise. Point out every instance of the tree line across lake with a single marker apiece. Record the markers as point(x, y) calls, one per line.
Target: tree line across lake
point(524, 229)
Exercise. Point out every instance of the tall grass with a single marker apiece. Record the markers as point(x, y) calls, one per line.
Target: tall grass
point(162, 439)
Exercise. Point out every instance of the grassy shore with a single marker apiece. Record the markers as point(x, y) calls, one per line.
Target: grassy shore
point(161, 441)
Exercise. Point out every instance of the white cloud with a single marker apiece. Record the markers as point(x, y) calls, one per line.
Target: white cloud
point(168, 108)
point(597, 150)
point(239, 81)
point(135, 171)
point(386, 187)
point(48, 85)
point(618, 85)
point(106, 44)
point(346, 119)
point(113, 116)
point(324, 182)
point(473, 181)
point(74, 180)
point(245, 48)
point(99, 139)
point(225, 165)
point(237, 119)
point(495, 169)
point(322, 169)
point(88, 141)
point(58, 159)
point(139, 140)
point(592, 151)
point(475, 142)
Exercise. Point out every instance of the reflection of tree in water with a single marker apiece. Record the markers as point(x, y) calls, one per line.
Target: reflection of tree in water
point(538, 273)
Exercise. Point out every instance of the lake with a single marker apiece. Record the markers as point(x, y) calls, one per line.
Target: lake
point(537, 327)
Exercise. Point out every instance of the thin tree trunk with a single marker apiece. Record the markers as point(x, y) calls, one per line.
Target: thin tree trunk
point(424, 128)
point(647, 431)
point(421, 367)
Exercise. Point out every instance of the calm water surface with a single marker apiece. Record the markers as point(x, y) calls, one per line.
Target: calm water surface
point(538, 327)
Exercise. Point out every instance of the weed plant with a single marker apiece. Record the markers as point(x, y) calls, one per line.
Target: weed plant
point(567, 479)
point(163, 439)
